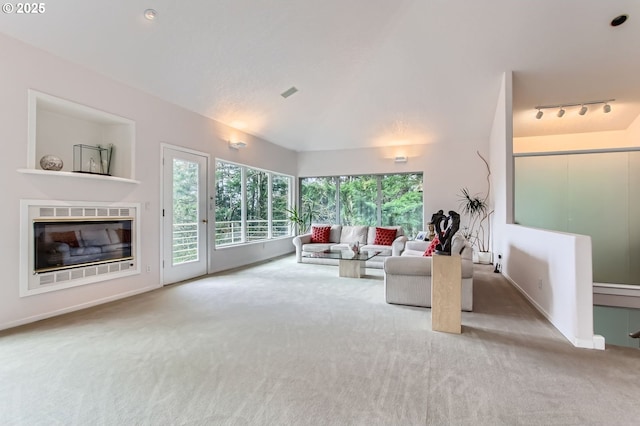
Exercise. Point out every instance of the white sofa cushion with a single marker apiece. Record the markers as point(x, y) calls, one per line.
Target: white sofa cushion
point(334, 235)
point(316, 247)
point(351, 234)
point(384, 250)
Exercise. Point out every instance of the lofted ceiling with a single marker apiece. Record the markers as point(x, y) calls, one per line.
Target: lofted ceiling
point(368, 72)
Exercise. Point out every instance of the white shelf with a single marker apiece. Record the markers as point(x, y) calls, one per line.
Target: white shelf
point(77, 175)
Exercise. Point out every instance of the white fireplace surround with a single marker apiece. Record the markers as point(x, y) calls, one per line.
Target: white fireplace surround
point(31, 211)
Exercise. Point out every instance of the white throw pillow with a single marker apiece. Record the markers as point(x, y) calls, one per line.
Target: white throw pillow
point(351, 234)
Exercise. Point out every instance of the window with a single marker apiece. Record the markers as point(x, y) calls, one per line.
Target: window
point(382, 200)
point(359, 200)
point(280, 201)
point(401, 202)
point(185, 211)
point(228, 204)
point(250, 204)
point(319, 197)
point(257, 205)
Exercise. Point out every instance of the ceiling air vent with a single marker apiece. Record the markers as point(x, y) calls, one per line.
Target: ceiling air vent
point(288, 92)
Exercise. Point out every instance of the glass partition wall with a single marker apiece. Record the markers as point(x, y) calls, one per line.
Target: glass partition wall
point(373, 200)
point(595, 194)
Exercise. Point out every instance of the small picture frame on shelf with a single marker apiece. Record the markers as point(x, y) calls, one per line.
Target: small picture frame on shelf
point(422, 235)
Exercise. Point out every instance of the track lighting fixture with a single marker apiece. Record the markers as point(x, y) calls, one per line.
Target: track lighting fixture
point(583, 107)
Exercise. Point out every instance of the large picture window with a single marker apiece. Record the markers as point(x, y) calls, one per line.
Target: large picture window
point(373, 200)
point(250, 204)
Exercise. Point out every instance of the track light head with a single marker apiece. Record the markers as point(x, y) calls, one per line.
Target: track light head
point(539, 114)
point(561, 112)
point(606, 108)
point(583, 110)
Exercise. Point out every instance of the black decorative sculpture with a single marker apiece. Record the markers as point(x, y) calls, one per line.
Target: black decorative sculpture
point(444, 247)
point(436, 219)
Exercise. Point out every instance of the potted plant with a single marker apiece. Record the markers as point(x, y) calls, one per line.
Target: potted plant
point(476, 208)
point(302, 221)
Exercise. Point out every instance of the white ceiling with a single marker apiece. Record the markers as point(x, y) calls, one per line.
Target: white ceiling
point(369, 72)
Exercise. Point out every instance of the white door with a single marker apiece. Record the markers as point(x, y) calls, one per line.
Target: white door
point(184, 210)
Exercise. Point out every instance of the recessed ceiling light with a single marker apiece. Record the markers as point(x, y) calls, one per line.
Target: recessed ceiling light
point(150, 14)
point(619, 20)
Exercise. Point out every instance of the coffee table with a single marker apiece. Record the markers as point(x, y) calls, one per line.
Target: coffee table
point(350, 265)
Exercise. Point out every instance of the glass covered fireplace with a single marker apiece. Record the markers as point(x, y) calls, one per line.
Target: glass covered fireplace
point(63, 244)
point(72, 244)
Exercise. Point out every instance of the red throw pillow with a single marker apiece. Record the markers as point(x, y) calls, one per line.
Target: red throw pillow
point(432, 247)
point(384, 236)
point(320, 234)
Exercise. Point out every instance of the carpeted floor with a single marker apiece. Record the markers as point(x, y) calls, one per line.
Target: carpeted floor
point(282, 343)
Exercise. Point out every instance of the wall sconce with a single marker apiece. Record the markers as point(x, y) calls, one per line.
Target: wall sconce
point(583, 107)
point(400, 159)
point(237, 145)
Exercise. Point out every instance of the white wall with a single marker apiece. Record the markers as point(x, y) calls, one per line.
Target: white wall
point(553, 270)
point(501, 163)
point(156, 121)
point(447, 167)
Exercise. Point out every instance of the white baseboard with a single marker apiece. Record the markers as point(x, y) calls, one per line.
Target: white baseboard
point(74, 308)
point(597, 342)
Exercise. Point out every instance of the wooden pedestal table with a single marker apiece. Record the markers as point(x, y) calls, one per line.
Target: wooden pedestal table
point(446, 293)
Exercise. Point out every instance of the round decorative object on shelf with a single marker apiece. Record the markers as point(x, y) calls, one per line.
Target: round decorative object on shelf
point(51, 162)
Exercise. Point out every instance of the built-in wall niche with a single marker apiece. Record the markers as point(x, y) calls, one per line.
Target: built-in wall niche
point(56, 125)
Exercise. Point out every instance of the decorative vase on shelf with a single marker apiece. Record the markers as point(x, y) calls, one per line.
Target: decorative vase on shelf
point(51, 162)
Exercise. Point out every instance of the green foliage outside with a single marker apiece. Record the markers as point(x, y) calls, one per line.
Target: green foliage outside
point(382, 200)
point(185, 211)
point(229, 203)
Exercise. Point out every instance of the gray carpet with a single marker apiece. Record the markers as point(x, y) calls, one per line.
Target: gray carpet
point(282, 343)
